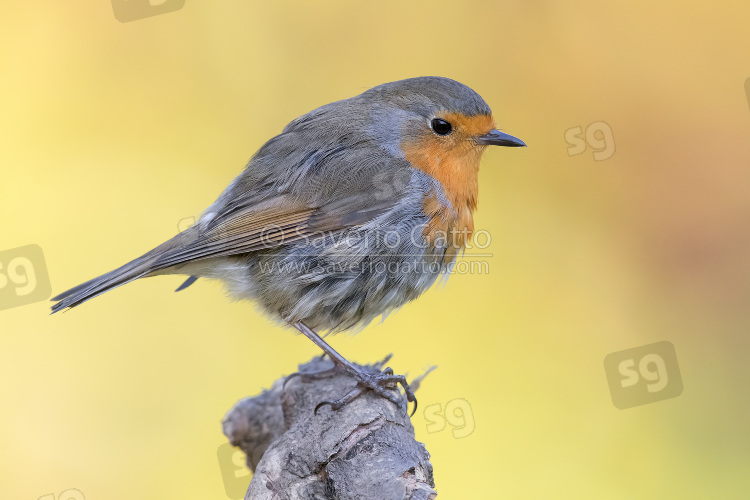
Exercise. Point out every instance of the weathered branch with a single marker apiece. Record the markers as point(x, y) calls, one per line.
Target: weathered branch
point(364, 451)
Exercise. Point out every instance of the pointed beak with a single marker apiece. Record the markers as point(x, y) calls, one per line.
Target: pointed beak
point(497, 138)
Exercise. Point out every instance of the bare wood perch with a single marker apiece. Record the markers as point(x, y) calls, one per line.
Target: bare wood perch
point(364, 451)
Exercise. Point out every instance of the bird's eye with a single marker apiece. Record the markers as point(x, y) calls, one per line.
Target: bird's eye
point(440, 126)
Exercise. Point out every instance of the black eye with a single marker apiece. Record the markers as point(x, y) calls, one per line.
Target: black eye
point(440, 126)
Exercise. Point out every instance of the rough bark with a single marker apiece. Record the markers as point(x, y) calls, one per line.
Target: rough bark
point(364, 451)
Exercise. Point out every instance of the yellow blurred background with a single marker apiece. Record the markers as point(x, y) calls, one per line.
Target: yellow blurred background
point(113, 133)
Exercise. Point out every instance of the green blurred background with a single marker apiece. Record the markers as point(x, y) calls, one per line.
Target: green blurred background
point(113, 133)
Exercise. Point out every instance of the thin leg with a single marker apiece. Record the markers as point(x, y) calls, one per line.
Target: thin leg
point(381, 383)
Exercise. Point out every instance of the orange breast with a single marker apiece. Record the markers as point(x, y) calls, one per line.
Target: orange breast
point(453, 161)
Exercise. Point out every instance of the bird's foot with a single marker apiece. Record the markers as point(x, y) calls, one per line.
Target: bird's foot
point(335, 369)
point(384, 384)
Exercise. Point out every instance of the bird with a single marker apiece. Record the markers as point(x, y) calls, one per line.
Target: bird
point(353, 210)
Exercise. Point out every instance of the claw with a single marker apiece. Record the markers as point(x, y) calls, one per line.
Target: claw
point(384, 384)
point(317, 407)
point(313, 375)
point(288, 378)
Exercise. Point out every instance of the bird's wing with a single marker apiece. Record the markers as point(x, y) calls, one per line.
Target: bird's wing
point(358, 190)
point(278, 223)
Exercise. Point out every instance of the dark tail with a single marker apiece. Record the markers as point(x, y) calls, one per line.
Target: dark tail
point(138, 268)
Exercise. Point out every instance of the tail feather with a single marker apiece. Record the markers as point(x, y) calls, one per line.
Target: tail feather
point(137, 268)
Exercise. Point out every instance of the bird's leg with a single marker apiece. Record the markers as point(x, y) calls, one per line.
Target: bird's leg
point(382, 383)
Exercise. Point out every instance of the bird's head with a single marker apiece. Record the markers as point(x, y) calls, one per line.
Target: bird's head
point(440, 126)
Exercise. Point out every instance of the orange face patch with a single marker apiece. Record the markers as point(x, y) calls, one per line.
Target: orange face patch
point(452, 160)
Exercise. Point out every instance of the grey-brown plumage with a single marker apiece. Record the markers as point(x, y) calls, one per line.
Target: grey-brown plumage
point(333, 221)
point(264, 236)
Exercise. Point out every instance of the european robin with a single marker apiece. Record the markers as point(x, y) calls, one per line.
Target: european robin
point(354, 209)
